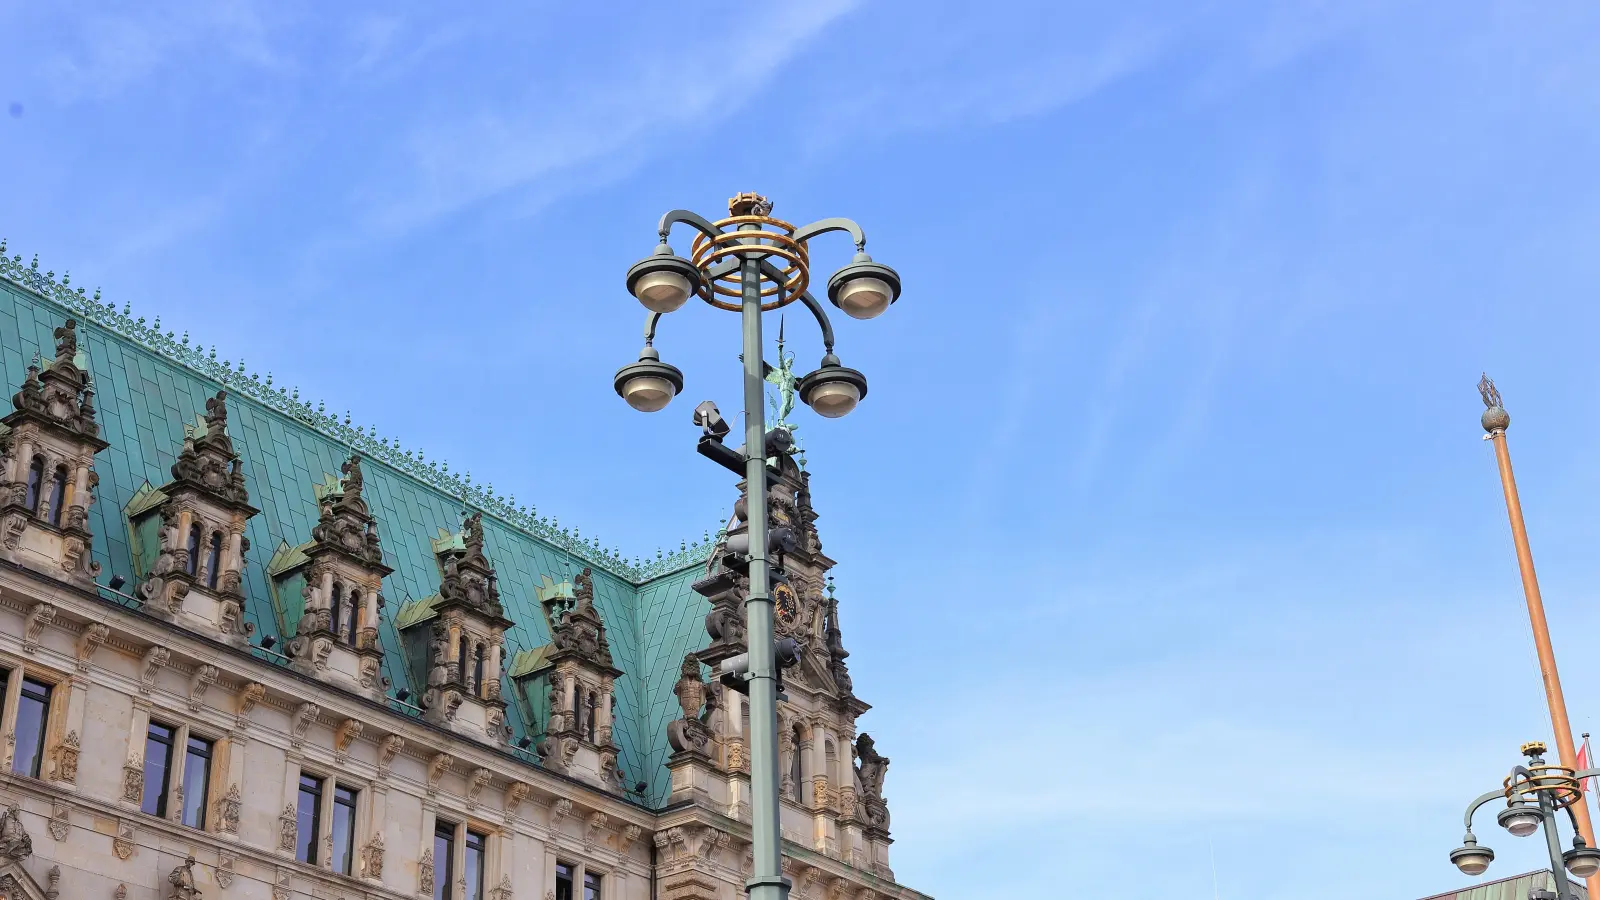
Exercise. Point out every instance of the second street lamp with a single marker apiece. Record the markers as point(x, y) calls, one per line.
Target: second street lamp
point(1535, 794)
point(763, 264)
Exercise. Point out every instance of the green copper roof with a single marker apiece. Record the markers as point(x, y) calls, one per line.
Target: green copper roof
point(150, 386)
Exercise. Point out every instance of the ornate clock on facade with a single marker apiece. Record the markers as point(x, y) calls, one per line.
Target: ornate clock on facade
point(786, 607)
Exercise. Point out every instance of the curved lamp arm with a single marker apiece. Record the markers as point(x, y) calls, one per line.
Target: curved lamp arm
point(823, 226)
point(1473, 807)
point(650, 328)
point(692, 219)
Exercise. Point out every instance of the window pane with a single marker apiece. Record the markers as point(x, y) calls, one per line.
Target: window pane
point(157, 769)
point(308, 819)
point(444, 857)
point(563, 881)
point(344, 824)
point(591, 886)
point(32, 713)
point(474, 866)
point(196, 779)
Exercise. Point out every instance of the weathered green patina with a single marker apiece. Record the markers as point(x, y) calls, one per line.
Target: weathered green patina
point(150, 386)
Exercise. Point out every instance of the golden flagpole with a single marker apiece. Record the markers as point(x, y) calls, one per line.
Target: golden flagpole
point(1495, 421)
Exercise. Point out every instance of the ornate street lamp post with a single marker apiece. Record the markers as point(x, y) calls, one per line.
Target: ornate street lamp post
point(1534, 794)
point(751, 263)
point(1495, 421)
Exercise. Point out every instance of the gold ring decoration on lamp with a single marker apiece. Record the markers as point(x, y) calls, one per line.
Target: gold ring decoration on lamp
point(770, 238)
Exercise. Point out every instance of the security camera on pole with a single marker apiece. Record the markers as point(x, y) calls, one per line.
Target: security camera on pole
point(765, 264)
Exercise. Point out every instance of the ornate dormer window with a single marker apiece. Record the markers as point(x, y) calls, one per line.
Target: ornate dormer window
point(47, 462)
point(457, 637)
point(193, 559)
point(578, 737)
point(338, 577)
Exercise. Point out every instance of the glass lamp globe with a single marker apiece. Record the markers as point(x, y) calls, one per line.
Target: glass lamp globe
point(1521, 821)
point(662, 291)
point(835, 399)
point(864, 289)
point(1582, 861)
point(864, 298)
point(649, 384)
point(647, 393)
point(1472, 859)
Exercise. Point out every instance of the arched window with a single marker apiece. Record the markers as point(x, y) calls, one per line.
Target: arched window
point(194, 549)
point(477, 669)
point(35, 483)
point(462, 659)
point(214, 560)
point(795, 762)
point(352, 620)
point(58, 494)
point(588, 718)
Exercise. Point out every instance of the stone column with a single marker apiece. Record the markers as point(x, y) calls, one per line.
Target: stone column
point(291, 797)
point(68, 740)
point(491, 668)
point(602, 713)
point(79, 488)
point(369, 612)
point(24, 458)
point(375, 815)
point(133, 770)
point(229, 763)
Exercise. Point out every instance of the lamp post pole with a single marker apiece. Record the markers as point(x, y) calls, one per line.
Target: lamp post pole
point(1495, 421)
point(767, 881)
point(732, 258)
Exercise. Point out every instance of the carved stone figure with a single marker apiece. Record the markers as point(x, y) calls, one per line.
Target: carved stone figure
point(15, 844)
point(182, 881)
point(688, 734)
point(228, 809)
point(581, 631)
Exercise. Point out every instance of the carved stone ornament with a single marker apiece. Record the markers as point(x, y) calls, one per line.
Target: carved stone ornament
point(475, 785)
point(89, 641)
point(425, 873)
point(66, 753)
point(204, 676)
point(630, 834)
point(228, 809)
point(288, 830)
point(387, 751)
point(60, 819)
point(182, 881)
point(304, 715)
point(580, 631)
point(133, 780)
point(560, 810)
point(596, 830)
point(225, 870)
point(151, 663)
point(280, 888)
point(346, 524)
point(121, 893)
point(123, 844)
point(372, 857)
point(39, 616)
point(502, 891)
point(346, 734)
point(248, 698)
point(511, 801)
point(437, 766)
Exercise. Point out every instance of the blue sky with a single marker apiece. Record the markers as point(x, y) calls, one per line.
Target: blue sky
point(1168, 542)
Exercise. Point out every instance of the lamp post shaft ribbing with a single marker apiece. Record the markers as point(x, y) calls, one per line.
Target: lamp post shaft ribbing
point(767, 881)
point(1541, 640)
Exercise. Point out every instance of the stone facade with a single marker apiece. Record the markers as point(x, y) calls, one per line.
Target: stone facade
point(254, 720)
